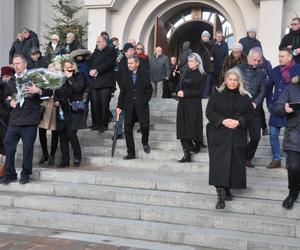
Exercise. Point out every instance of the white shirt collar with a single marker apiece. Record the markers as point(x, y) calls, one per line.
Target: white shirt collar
point(19, 76)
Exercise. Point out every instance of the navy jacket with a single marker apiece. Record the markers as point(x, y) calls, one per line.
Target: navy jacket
point(249, 43)
point(220, 52)
point(275, 88)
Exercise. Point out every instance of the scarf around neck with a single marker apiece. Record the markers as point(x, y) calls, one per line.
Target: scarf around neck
point(285, 71)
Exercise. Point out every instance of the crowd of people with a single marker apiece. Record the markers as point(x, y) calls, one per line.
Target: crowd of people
point(236, 83)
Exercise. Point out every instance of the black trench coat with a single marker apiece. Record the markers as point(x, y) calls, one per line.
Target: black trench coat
point(189, 111)
point(135, 98)
point(227, 147)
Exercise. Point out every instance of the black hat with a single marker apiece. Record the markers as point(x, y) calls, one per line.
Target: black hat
point(127, 46)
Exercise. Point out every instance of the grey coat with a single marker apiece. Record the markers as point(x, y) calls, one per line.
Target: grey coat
point(292, 132)
point(159, 68)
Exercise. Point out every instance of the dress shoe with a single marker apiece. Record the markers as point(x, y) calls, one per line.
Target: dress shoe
point(249, 164)
point(24, 181)
point(63, 164)
point(288, 203)
point(129, 157)
point(51, 160)
point(77, 162)
point(274, 164)
point(6, 180)
point(43, 159)
point(265, 132)
point(146, 148)
point(102, 129)
point(186, 157)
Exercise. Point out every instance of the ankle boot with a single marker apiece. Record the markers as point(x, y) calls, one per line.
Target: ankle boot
point(43, 159)
point(186, 157)
point(221, 198)
point(288, 203)
point(228, 195)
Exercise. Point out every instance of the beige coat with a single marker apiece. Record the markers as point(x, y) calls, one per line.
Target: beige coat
point(49, 116)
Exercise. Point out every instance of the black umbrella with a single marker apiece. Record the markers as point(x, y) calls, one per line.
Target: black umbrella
point(115, 137)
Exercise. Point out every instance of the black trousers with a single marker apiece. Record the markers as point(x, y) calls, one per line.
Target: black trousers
point(67, 136)
point(13, 135)
point(128, 127)
point(91, 106)
point(187, 144)
point(101, 111)
point(263, 121)
point(293, 166)
point(43, 141)
point(254, 135)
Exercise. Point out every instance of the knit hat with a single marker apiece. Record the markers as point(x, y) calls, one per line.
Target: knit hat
point(205, 33)
point(7, 71)
point(251, 29)
point(127, 46)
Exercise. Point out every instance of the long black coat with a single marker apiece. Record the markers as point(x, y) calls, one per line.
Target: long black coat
point(189, 111)
point(292, 131)
point(205, 50)
point(104, 61)
point(72, 90)
point(227, 147)
point(292, 38)
point(137, 97)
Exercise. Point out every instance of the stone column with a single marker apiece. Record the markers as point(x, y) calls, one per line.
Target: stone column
point(6, 29)
point(270, 28)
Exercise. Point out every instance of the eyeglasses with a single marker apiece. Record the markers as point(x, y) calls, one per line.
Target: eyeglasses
point(139, 48)
point(293, 24)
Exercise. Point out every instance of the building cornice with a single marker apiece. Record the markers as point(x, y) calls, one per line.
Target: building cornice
point(102, 4)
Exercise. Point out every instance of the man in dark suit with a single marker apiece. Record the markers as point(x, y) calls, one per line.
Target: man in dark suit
point(24, 119)
point(135, 94)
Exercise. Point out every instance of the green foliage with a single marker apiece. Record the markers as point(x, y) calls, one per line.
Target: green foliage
point(65, 19)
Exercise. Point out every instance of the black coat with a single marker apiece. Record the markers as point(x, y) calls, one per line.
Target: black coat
point(51, 53)
point(205, 50)
point(16, 48)
point(68, 48)
point(104, 61)
point(137, 97)
point(290, 94)
point(249, 43)
point(189, 111)
point(220, 52)
point(30, 42)
point(73, 89)
point(292, 38)
point(41, 63)
point(31, 111)
point(227, 147)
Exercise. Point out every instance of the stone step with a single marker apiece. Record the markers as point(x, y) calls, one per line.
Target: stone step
point(182, 216)
point(162, 232)
point(264, 207)
point(258, 187)
point(110, 241)
point(193, 167)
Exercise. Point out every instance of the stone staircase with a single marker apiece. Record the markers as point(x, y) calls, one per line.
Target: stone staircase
point(153, 202)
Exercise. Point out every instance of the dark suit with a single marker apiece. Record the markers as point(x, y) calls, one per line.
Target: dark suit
point(22, 125)
point(134, 100)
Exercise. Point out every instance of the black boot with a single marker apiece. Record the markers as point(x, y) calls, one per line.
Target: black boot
point(221, 198)
point(43, 159)
point(228, 195)
point(288, 203)
point(186, 157)
point(197, 147)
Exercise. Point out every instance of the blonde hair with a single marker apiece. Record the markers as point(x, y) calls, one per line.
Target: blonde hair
point(235, 71)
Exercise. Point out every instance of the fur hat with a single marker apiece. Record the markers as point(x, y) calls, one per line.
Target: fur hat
point(83, 53)
point(7, 71)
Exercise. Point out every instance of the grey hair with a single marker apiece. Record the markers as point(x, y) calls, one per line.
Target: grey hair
point(255, 50)
point(235, 71)
point(71, 33)
point(56, 36)
point(135, 58)
point(198, 59)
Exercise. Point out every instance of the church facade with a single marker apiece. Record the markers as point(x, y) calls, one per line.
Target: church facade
point(158, 22)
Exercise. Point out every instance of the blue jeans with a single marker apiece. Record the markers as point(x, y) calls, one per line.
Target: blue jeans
point(274, 141)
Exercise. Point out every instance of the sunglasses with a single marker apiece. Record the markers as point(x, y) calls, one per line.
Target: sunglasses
point(293, 24)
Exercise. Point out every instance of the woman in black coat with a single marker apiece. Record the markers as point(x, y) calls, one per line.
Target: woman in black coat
point(189, 111)
point(229, 111)
point(291, 142)
point(69, 121)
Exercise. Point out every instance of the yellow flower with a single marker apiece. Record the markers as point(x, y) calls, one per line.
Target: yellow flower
point(296, 79)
